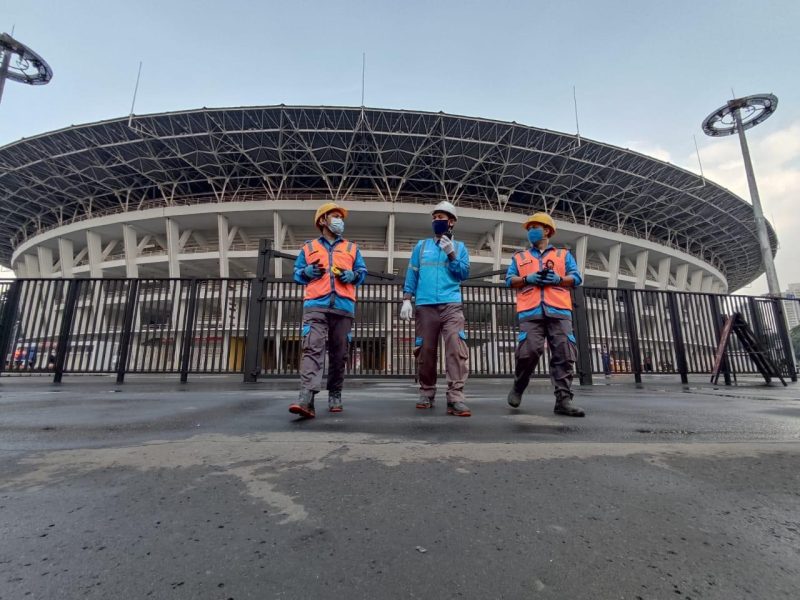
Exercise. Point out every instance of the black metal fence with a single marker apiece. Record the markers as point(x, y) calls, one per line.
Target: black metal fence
point(185, 326)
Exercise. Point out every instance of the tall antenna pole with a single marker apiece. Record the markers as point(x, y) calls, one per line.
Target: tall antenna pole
point(135, 90)
point(363, 75)
point(577, 124)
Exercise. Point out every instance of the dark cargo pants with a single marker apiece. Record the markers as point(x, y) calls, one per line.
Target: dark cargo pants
point(319, 327)
point(563, 351)
point(446, 320)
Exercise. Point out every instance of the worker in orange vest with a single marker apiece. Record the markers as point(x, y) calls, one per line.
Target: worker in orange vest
point(543, 275)
point(330, 268)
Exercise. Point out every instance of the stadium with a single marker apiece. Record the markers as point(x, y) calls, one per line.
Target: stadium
point(142, 208)
point(190, 193)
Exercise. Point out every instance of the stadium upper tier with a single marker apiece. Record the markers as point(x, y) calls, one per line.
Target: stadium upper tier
point(280, 152)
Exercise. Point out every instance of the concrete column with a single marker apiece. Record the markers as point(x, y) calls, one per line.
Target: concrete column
point(390, 231)
point(497, 250)
point(95, 248)
point(20, 269)
point(613, 265)
point(663, 272)
point(581, 250)
point(681, 277)
point(707, 285)
point(278, 233)
point(224, 244)
point(32, 266)
point(66, 255)
point(641, 269)
point(697, 281)
point(45, 256)
point(131, 251)
point(173, 247)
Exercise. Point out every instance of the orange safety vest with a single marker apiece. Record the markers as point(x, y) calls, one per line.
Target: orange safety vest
point(342, 256)
point(531, 296)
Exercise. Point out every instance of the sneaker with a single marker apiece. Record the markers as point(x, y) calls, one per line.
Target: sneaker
point(514, 398)
point(304, 407)
point(424, 403)
point(565, 407)
point(459, 409)
point(335, 401)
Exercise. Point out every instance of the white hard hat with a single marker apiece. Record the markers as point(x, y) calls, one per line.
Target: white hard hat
point(446, 207)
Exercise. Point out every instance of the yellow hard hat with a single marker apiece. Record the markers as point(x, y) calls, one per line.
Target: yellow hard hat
point(326, 208)
point(542, 218)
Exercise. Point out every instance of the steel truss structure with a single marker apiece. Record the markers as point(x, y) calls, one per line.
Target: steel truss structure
point(276, 152)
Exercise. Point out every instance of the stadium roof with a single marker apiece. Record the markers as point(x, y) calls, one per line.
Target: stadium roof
point(278, 151)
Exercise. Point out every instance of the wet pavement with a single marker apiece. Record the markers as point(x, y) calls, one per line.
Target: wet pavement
point(211, 489)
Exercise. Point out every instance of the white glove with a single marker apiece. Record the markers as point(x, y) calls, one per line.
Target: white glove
point(446, 244)
point(406, 311)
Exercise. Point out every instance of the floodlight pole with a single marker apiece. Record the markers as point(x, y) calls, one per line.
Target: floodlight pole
point(758, 109)
point(761, 224)
point(4, 71)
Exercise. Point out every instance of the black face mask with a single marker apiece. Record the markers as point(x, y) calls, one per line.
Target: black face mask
point(440, 226)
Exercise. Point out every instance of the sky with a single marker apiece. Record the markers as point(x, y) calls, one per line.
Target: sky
point(645, 73)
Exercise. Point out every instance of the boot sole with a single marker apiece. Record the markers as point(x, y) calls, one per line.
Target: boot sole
point(424, 406)
point(566, 414)
point(299, 410)
point(463, 413)
point(336, 409)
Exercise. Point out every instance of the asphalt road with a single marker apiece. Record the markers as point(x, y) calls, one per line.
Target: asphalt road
point(213, 490)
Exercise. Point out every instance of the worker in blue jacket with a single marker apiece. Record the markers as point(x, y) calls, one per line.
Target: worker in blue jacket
point(437, 267)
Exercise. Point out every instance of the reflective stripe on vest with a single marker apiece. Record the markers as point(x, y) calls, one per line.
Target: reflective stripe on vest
point(343, 256)
point(531, 296)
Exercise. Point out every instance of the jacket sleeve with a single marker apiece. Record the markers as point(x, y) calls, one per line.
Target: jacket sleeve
point(412, 274)
point(513, 271)
point(300, 264)
point(459, 266)
point(572, 269)
point(359, 268)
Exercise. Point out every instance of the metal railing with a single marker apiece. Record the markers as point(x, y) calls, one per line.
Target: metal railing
point(185, 326)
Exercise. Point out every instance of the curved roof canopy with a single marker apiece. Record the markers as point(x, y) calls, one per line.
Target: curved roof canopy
point(277, 151)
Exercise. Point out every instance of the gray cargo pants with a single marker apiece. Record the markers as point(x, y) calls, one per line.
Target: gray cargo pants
point(446, 320)
point(319, 327)
point(563, 351)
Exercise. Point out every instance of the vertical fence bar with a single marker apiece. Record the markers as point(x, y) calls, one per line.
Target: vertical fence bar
point(677, 337)
point(257, 314)
point(785, 337)
point(188, 331)
point(581, 321)
point(9, 322)
point(66, 328)
point(633, 337)
point(127, 329)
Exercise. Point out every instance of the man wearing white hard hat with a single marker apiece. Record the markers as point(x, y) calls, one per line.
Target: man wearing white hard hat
point(437, 267)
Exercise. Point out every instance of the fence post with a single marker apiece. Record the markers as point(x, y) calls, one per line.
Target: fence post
point(786, 338)
point(257, 314)
point(633, 334)
point(127, 329)
point(188, 331)
point(8, 321)
point(717, 314)
point(677, 336)
point(582, 335)
point(67, 318)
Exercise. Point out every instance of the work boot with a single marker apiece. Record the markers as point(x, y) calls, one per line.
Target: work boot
point(424, 403)
point(304, 407)
point(514, 398)
point(335, 401)
point(564, 407)
point(458, 409)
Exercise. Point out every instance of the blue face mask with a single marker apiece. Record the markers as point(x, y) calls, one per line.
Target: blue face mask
point(535, 235)
point(440, 226)
point(336, 226)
